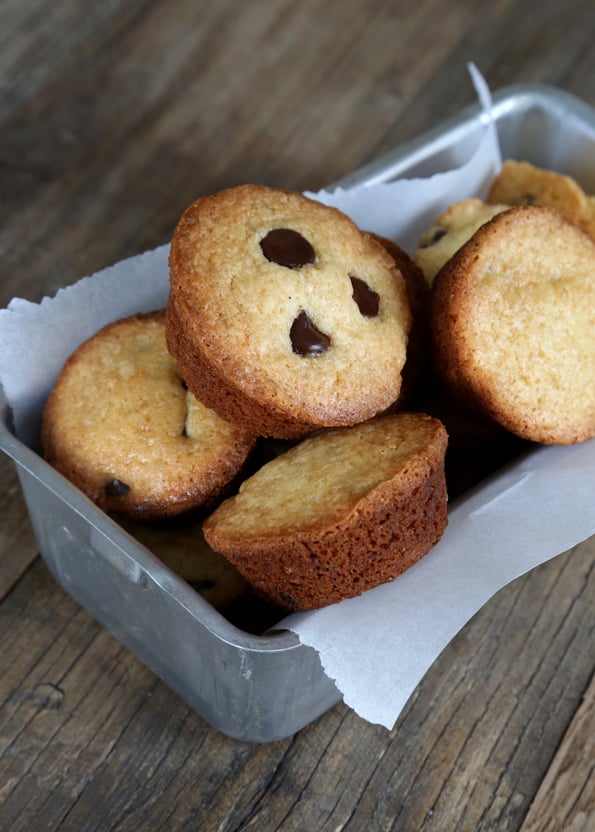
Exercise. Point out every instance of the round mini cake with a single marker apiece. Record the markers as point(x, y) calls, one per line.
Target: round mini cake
point(283, 316)
point(520, 183)
point(513, 323)
point(341, 512)
point(121, 425)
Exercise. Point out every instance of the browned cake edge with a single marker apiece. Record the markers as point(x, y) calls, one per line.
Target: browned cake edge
point(384, 533)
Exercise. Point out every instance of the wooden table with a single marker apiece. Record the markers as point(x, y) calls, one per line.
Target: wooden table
point(113, 117)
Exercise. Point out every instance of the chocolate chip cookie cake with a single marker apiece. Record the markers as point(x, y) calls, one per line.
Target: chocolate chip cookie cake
point(283, 316)
point(121, 425)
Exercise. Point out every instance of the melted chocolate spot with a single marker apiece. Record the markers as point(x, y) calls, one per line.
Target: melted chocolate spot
point(307, 339)
point(438, 234)
point(287, 248)
point(116, 488)
point(367, 299)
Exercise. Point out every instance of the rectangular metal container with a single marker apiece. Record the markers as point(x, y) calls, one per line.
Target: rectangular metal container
point(252, 687)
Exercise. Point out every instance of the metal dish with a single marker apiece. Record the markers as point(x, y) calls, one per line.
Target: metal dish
point(257, 687)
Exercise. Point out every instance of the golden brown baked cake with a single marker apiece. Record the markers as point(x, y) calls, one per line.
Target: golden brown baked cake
point(521, 183)
point(341, 512)
point(121, 425)
point(453, 227)
point(513, 324)
point(283, 316)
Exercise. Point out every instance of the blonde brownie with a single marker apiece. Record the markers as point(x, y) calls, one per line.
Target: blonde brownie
point(121, 425)
point(283, 315)
point(341, 512)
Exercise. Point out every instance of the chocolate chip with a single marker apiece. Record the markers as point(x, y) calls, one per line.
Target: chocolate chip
point(287, 248)
point(438, 234)
point(529, 199)
point(367, 299)
point(307, 339)
point(116, 488)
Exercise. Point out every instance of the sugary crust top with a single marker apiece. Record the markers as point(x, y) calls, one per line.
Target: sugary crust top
point(324, 479)
point(342, 512)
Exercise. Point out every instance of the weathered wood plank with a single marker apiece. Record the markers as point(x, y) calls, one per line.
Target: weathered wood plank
point(17, 544)
point(566, 797)
point(116, 169)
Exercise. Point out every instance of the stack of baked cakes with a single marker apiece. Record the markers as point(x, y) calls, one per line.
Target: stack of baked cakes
point(281, 393)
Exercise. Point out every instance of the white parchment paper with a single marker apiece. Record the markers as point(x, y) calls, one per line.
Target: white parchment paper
point(401, 210)
point(378, 647)
point(539, 507)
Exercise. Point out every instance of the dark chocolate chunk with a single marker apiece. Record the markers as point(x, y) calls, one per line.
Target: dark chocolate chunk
point(307, 339)
point(438, 234)
point(367, 299)
point(116, 488)
point(287, 248)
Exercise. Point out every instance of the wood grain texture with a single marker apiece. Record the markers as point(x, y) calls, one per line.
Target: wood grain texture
point(566, 797)
point(470, 751)
point(113, 117)
point(17, 545)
